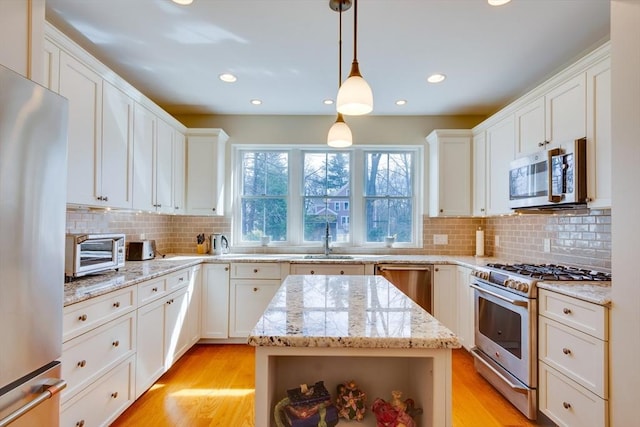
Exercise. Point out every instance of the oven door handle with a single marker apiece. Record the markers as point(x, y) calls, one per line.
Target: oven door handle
point(515, 387)
point(493, 294)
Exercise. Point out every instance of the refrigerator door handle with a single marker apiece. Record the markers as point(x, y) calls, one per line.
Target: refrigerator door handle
point(47, 392)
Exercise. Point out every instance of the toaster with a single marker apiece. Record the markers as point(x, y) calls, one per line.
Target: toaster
point(141, 251)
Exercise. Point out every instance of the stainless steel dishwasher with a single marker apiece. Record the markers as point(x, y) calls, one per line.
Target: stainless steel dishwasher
point(415, 280)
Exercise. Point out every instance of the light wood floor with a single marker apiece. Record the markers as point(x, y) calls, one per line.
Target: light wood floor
point(212, 385)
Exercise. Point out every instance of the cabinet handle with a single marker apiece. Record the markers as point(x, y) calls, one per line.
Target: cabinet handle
point(82, 318)
point(226, 269)
point(99, 198)
point(176, 208)
point(566, 405)
point(80, 423)
point(82, 364)
point(255, 270)
point(441, 210)
point(105, 198)
point(566, 351)
point(213, 209)
point(481, 209)
point(114, 394)
point(116, 304)
point(437, 269)
point(181, 279)
point(312, 272)
point(566, 310)
point(341, 271)
point(256, 289)
point(116, 343)
point(154, 289)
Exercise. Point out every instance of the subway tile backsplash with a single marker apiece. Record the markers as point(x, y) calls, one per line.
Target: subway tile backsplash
point(582, 240)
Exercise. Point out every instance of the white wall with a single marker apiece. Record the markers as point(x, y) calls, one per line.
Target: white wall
point(625, 115)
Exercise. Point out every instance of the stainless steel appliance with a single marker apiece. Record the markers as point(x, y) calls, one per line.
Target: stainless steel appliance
point(415, 280)
point(554, 178)
point(218, 244)
point(141, 251)
point(33, 162)
point(506, 352)
point(93, 253)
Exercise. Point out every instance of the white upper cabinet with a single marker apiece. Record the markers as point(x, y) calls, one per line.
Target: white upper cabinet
point(179, 178)
point(530, 128)
point(143, 141)
point(449, 173)
point(479, 174)
point(500, 152)
point(205, 171)
point(83, 88)
point(21, 30)
point(115, 174)
point(599, 134)
point(565, 109)
point(163, 167)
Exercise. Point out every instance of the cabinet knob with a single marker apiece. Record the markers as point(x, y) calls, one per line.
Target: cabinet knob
point(105, 198)
point(181, 279)
point(176, 208)
point(481, 209)
point(226, 269)
point(82, 318)
point(116, 343)
point(99, 198)
point(116, 304)
point(80, 423)
point(540, 144)
point(566, 405)
point(213, 209)
point(114, 394)
point(256, 289)
point(312, 272)
point(566, 310)
point(82, 364)
point(169, 302)
point(566, 351)
point(341, 271)
point(154, 289)
point(437, 269)
point(441, 210)
point(255, 270)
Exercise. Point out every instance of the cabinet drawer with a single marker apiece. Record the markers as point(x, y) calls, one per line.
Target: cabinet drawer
point(567, 403)
point(177, 280)
point(342, 269)
point(84, 316)
point(580, 356)
point(262, 270)
point(103, 401)
point(587, 317)
point(150, 290)
point(88, 356)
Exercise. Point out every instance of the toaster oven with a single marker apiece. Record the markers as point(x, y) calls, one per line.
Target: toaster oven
point(93, 253)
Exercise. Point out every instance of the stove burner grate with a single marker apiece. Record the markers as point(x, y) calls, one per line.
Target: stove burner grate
point(554, 272)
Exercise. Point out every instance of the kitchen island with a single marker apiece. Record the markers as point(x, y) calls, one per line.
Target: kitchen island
point(362, 328)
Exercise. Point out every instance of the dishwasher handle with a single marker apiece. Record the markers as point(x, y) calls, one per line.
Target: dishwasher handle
point(403, 268)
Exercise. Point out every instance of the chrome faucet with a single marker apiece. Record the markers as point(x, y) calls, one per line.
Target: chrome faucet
point(327, 239)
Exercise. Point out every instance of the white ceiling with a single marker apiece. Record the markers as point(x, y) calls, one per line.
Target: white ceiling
point(285, 52)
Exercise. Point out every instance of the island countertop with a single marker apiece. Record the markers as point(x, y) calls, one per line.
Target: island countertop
point(349, 312)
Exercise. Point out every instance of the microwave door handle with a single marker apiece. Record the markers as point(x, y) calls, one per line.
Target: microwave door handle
point(550, 154)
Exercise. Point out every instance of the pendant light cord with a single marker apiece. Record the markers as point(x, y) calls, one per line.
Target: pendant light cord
point(355, 31)
point(340, 48)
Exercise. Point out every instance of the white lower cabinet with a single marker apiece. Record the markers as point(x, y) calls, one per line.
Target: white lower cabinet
point(215, 301)
point(465, 308)
point(445, 295)
point(573, 360)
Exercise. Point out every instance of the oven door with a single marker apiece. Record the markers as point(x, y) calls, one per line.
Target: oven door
point(505, 330)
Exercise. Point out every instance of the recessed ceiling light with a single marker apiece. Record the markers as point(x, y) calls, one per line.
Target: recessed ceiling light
point(183, 2)
point(401, 102)
point(436, 78)
point(328, 102)
point(227, 77)
point(495, 2)
point(256, 102)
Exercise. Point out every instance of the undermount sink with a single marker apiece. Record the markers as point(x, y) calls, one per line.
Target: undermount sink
point(330, 256)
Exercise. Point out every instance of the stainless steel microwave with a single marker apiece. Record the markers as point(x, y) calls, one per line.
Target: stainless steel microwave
point(554, 178)
point(93, 253)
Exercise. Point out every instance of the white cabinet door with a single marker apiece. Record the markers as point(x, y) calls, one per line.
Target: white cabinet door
point(115, 183)
point(530, 128)
point(479, 174)
point(445, 296)
point(163, 167)
point(21, 29)
point(205, 171)
point(565, 109)
point(248, 300)
point(465, 308)
point(83, 88)
point(150, 345)
point(500, 152)
point(176, 330)
point(179, 146)
point(599, 134)
point(195, 301)
point(215, 301)
point(449, 173)
point(143, 142)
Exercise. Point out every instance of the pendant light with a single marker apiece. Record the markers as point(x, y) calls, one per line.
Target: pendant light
point(355, 97)
point(339, 134)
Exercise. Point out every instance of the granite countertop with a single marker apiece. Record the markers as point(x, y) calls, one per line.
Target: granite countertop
point(595, 292)
point(347, 311)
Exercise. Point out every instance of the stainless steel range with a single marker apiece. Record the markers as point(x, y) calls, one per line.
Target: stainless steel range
point(506, 314)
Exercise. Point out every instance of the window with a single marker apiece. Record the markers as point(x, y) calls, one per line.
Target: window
point(264, 195)
point(362, 195)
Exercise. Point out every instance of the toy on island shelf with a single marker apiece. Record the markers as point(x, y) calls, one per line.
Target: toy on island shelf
point(306, 406)
point(397, 413)
point(350, 402)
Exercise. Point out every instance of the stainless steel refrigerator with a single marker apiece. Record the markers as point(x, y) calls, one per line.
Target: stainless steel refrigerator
point(33, 160)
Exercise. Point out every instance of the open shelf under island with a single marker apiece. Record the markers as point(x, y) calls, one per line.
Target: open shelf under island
point(361, 328)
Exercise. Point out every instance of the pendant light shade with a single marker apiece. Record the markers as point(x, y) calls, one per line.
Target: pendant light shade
point(355, 97)
point(339, 134)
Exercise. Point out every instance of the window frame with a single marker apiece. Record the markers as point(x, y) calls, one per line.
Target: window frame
point(295, 222)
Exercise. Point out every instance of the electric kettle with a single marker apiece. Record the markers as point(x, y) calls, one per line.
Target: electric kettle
point(219, 244)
